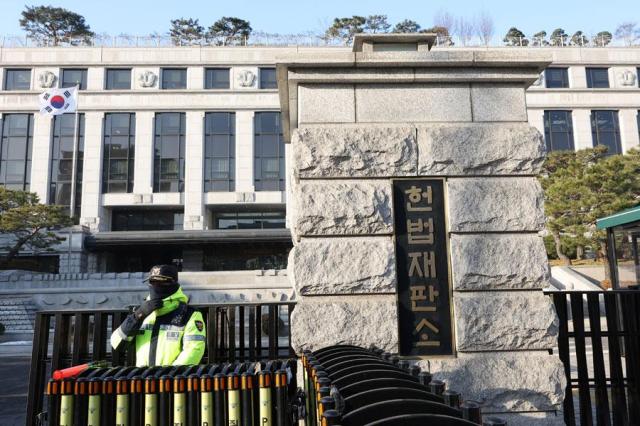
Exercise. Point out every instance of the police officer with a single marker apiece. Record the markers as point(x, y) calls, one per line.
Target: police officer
point(166, 330)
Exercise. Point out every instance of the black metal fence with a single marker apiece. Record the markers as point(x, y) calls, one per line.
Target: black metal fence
point(235, 332)
point(605, 375)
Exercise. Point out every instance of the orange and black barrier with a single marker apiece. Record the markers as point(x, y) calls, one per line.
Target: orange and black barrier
point(231, 394)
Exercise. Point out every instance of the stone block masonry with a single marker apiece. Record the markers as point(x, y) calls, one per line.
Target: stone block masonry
point(354, 127)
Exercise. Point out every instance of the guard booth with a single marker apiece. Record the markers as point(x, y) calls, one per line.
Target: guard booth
point(623, 233)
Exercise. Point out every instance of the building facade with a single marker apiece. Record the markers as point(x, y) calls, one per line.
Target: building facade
point(180, 150)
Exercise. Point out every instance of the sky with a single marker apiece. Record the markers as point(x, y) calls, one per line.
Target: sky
point(142, 17)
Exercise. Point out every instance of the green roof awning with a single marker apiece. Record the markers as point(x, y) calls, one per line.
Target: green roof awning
point(621, 218)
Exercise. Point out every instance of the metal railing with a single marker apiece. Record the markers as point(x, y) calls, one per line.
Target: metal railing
point(235, 332)
point(607, 375)
point(309, 39)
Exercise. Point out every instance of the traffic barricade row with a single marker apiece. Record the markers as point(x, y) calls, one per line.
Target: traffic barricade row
point(353, 386)
point(237, 394)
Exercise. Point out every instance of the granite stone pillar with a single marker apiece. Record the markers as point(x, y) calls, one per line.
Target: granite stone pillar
point(357, 120)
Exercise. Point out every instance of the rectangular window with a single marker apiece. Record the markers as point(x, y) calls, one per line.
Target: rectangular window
point(15, 151)
point(268, 78)
point(249, 220)
point(62, 145)
point(174, 78)
point(118, 79)
point(219, 151)
point(17, 79)
point(597, 78)
point(557, 78)
point(72, 77)
point(168, 167)
point(216, 78)
point(268, 152)
point(147, 220)
point(118, 157)
point(558, 130)
point(605, 130)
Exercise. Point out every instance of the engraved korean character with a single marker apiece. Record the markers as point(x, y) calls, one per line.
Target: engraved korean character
point(423, 264)
point(420, 231)
point(419, 199)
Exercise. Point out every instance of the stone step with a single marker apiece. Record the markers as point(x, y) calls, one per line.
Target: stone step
point(17, 314)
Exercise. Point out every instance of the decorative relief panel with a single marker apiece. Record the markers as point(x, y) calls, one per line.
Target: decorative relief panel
point(147, 79)
point(246, 78)
point(47, 79)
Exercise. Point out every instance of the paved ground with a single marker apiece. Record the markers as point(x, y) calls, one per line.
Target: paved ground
point(14, 378)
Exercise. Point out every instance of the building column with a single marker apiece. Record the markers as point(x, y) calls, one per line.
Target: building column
point(41, 156)
point(96, 78)
point(143, 168)
point(582, 129)
point(195, 78)
point(91, 212)
point(577, 77)
point(194, 174)
point(629, 132)
point(244, 151)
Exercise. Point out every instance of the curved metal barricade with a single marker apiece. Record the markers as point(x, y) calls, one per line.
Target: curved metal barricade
point(352, 386)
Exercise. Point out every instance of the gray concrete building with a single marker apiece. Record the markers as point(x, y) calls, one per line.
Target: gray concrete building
point(181, 154)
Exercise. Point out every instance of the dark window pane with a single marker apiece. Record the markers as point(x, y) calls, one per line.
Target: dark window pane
point(249, 220)
point(557, 78)
point(17, 79)
point(597, 78)
point(74, 77)
point(119, 153)
point(65, 129)
point(558, 130)
point(268, 78)
point(146, 220)
point(118, 79)
point(216, 78)
point(174, 78)
point(269, 152)
point(169, 152)
point(16, 131)
point(219, 151)
point(605, 130)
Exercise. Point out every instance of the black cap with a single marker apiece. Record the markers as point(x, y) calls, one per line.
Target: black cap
point(163, 273)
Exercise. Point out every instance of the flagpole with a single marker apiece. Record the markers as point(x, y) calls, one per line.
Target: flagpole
point(74, 164)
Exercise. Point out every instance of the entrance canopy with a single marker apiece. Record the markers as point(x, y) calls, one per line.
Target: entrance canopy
point(623, 233)
point(191, 250)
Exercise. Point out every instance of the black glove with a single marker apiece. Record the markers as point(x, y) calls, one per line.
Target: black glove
point(146, 308)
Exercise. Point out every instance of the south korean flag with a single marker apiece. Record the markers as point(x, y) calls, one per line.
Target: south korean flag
point(59, 101)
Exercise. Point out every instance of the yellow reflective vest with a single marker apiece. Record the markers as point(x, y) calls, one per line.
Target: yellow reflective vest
point(175, 334)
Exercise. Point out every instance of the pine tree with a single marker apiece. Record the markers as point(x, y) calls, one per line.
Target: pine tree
point(229, 30)
point(515, 37)
point(54, 25)
point(376, 24)
point(579, 39)
point(540, 39)
point(186, 31)
point(406, 26)
point(558, 37)
point(28, 224)
point(345, 29)
point(582, 186)
point(602, 39)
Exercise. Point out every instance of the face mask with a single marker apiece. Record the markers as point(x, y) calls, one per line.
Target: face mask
point(162, 291)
